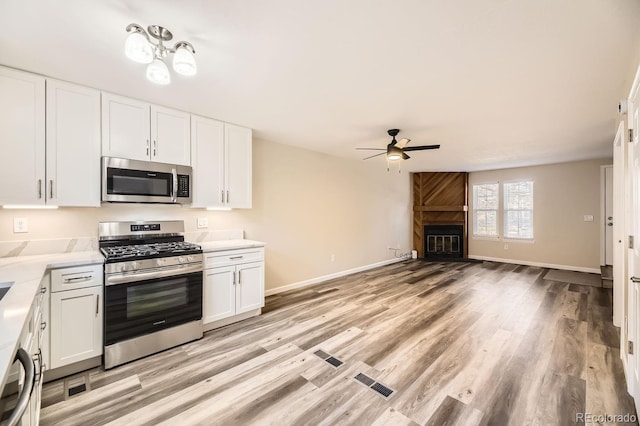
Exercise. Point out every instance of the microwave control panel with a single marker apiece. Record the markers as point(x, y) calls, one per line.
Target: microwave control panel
point(183, 186)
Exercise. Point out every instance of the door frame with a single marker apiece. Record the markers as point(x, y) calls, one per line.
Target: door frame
point(603, 219)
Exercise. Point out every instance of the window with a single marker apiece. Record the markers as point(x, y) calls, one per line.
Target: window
point(518, 210)
point(485, 210)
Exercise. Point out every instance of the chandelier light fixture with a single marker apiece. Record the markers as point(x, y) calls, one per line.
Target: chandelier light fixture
point(142, 49)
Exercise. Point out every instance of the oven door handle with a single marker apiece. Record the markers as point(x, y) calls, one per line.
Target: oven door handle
point(128, 277)
point(174, 186)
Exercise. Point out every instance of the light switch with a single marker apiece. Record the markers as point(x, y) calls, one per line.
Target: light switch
point(203, 222)
point(588, 218)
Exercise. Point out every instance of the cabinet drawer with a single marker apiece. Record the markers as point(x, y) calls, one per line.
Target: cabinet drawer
point(233, 257)
point(76, 277)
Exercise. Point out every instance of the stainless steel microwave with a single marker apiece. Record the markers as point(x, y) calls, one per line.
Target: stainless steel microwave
point(133, 181)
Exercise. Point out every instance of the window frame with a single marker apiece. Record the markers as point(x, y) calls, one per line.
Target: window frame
point(475, 209)
point(506, 210)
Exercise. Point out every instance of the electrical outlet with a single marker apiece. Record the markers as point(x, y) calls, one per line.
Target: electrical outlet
point(506, 246)
point(20, 224)
point(588, 218)
point(202, 222)
point(333, 257)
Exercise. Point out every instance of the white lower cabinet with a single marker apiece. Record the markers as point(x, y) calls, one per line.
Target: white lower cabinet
point(76, 315)
point(233, 284)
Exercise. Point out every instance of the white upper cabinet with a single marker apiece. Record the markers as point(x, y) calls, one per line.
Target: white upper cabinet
point(221, 160)
point(207, 160)
point(22, 140)
point(170, 136)
point(73, 145)
point(140, 131)
point(238, 152)
point(125, 128)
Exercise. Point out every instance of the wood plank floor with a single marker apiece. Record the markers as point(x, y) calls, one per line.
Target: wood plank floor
point(458, 343)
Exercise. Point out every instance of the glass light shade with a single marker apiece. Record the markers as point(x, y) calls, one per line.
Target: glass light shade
point(183, 61)
point(138, 49)
point(393, 157)
point(157, 72)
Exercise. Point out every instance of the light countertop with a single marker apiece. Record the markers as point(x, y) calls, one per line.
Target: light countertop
point(26, 272)
point(211, 246)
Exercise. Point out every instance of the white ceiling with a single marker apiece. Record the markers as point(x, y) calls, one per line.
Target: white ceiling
point(497, 83)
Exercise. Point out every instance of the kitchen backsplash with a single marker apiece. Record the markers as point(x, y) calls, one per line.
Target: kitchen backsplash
point(68, 245)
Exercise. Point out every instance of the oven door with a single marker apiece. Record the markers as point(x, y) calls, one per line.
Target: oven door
point(137, 308)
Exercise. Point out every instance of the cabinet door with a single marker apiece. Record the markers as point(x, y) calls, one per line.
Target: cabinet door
point(250, 287)
point(207, 160)
point(73, 145)
point(170, 136)
point(238, 151)
point(22, 144)
point(76, 325)
point(125, 128)
point(219, 294)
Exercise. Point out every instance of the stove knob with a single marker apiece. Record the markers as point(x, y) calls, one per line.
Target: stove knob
point(181, 259)
point(160, 262)
point(190, 258)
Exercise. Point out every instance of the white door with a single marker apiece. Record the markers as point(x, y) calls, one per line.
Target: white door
point(73, 145)
point(76, 325)
point(219, 294)
point(608, 215)
point(125, 127)
point(207, 160)
point(633, 360)
point(22, 143)
point(250, 287)
point(170, 136)
point(238, 145)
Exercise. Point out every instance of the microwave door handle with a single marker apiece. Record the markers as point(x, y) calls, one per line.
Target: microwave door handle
point(174, 187)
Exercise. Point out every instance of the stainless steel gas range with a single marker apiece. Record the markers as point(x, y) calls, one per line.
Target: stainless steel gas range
point(153, 289)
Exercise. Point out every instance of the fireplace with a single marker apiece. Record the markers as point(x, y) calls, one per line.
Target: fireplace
point(443, 241)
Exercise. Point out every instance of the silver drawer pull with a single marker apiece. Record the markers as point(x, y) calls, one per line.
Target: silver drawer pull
point(43, 325)
point(236, 257)
point(85, 277)
point(635, 280)
point(43, 290)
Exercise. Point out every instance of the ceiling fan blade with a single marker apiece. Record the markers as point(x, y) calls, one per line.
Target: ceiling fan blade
point(405, 156)
point(375, 155)
point(374, 149)
point(421, 148)
point(403, 142)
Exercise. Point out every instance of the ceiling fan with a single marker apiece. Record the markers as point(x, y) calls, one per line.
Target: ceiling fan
point(396, 149)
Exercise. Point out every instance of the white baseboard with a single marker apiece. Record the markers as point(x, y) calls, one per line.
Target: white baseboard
point(541, 265)
point(323, 278)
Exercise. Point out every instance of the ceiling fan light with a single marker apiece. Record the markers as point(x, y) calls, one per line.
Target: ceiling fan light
point(393, 156)
point(158, 73)
point(138, 49)
point(183, 61)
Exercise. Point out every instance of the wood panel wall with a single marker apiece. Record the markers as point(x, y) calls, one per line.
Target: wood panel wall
point(440, 198)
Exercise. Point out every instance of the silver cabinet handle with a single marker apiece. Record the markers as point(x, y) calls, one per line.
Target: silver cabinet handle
point(235, 257)
point(239, 276)
point(222, 196)
point(227, 196)
point(155, 146)
point(50, 188)
point(234, 277)
point(43, 325)
point(609, 224)
point(84, 277)
point(635, 280)
point(97, 304)
point(610, 218)
point(30, 375)
point(43, 290)
point(147, 147)
point(39, 188)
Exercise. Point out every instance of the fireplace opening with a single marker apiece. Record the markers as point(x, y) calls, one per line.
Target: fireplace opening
point(443, 241)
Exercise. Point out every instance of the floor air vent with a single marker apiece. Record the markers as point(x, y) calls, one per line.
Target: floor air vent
point(77, 389)
point(328, 358)
point(378, 387)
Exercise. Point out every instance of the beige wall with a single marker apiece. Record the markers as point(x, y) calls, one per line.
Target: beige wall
point(306, 207)
point(563, 194)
